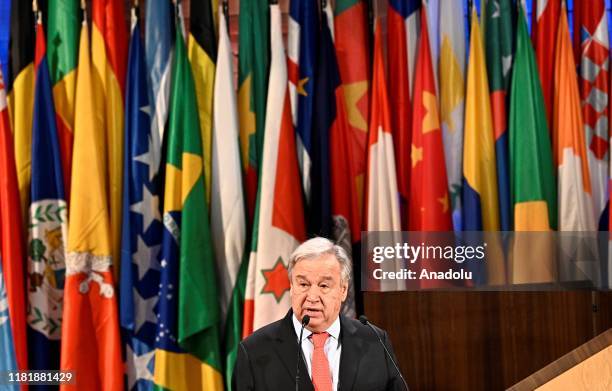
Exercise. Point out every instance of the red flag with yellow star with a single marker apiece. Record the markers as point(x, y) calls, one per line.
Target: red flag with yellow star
point(429, 208)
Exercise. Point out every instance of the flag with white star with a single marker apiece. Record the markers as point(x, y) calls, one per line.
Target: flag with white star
point(142, 226)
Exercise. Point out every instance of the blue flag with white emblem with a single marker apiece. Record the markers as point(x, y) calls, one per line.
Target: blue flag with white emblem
point(142, 227)
point(48, 230)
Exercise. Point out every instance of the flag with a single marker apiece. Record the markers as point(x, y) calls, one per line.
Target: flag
point(48, 224)
point(399, 41)
point(345, 228)
point(90, 330)
point(281, 215)
point(158, 51)
point(10, 236)
point(532, 181)
point(544, 34)
point(351, 41)
point(382, 203)
point(202, 49)
point(301, 62)
point(62, 49)
point(253, 64)
point(5, 33)
point(480, 204)
point(142, 224)
point(499, 39)
point(452, 101)
point(20, 99)
point(228, 217)
point(592, 23)
point(187, 337)
point(7, 357)
point(429, 204)
point(569, 151)
point(109, 40)
point(433, 22)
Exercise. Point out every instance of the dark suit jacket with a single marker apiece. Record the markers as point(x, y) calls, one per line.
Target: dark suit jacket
point(267, 359)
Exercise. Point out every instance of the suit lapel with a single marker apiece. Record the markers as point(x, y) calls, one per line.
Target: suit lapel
point(287, 348)
point(352, 351)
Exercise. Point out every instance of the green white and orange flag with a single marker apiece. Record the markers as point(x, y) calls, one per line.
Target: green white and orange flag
point(109, 40)
point(90, 331)
point(351, 41)
point(202, 48)
point(569, 150)
point(281, 213)
point(21, 97)
point(62, 52)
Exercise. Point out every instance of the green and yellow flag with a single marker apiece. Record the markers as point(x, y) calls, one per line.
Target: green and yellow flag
point(532, 181)
point(202, 49)
point(253, 64)
point(62, 52)
point(187, 351)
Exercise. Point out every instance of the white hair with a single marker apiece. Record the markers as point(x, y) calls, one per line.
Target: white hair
point(316, 247)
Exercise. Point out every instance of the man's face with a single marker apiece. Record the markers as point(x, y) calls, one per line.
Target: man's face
point(318, 291)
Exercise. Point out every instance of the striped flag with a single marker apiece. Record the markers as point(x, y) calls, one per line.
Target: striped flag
point(429, 202)
point(351, 42)
point(21, 99)
point(109, 40)
point(62, 49)
point(202, 49)
point(544, 33)
point(253, 64)
point(158, 51)
point(10, 236)
point(400, 39)
point(281, 214)
point(498, 36)
point(187, 345)
point(452, 101)
point(532, 180)
point(228, 216)
point(90, 331)
point(591, 20)
point(142, 224)
point(569, 151)
point(48, 224)
point(480, 204)
point(382, 204)
point(301, 61)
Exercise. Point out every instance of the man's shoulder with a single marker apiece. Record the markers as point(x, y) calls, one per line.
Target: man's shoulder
point(353, 328)
point(264, 335)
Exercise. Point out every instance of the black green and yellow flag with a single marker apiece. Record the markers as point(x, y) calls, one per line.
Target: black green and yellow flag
point(532, 180)
point(253, 64)
point(187, 351)
point(202, 49)
point(62, 52)
point(21, 96)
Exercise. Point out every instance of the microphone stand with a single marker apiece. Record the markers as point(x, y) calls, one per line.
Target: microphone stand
point(364, 320)
point(305, 321)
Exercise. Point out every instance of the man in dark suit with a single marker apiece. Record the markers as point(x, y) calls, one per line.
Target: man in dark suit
point(338, 353)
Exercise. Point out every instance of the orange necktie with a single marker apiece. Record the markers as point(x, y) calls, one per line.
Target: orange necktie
point(321, 374)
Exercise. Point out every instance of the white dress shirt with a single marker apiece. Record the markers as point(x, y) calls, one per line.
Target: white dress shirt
point(332, 348)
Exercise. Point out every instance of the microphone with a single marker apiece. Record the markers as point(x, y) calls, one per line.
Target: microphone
point(364, 320)
point(305, 321)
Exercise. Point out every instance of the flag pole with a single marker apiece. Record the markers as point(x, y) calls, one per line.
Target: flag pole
point(226, 14)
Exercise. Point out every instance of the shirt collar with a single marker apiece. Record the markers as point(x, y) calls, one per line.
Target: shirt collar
point(333, 330)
